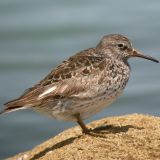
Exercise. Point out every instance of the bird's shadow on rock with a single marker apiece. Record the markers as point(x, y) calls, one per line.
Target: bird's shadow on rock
point(101, 130)
point(114, 129)
point(51, 148)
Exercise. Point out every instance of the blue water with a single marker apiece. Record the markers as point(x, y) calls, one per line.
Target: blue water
point(37, 35)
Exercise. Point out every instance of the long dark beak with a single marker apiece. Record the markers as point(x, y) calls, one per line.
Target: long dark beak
point(136, 53)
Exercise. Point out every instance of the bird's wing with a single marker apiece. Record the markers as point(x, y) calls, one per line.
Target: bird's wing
point(73, 76)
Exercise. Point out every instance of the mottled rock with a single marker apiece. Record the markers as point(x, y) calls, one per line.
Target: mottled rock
point(130, 137)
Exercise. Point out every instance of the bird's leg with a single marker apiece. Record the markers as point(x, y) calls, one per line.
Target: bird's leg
point(82, 125)
point(85, 129)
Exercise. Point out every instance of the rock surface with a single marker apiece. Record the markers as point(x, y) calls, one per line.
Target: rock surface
point(130, 137)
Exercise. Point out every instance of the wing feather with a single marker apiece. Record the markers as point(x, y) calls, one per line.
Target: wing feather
point(72, 77)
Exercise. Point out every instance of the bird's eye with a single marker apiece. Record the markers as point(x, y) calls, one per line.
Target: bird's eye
point(122, 46)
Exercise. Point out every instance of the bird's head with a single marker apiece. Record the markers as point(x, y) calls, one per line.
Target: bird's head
point(120, 47)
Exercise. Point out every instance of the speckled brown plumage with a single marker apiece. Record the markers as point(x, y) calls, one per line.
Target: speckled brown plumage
point(84, 84)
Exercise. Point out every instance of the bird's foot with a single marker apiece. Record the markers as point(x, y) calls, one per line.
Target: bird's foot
point(93, 133)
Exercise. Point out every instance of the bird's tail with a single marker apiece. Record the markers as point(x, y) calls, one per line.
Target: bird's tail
point(8, 109)
point(2, 112)
point(12, 106)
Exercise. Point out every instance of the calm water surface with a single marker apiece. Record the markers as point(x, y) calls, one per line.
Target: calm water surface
point(37, 35)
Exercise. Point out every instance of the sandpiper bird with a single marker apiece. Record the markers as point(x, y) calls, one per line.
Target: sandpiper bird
point(84, 84)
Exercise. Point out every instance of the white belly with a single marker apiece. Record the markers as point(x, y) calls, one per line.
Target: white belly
point(99, 104)
point(85, 109)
